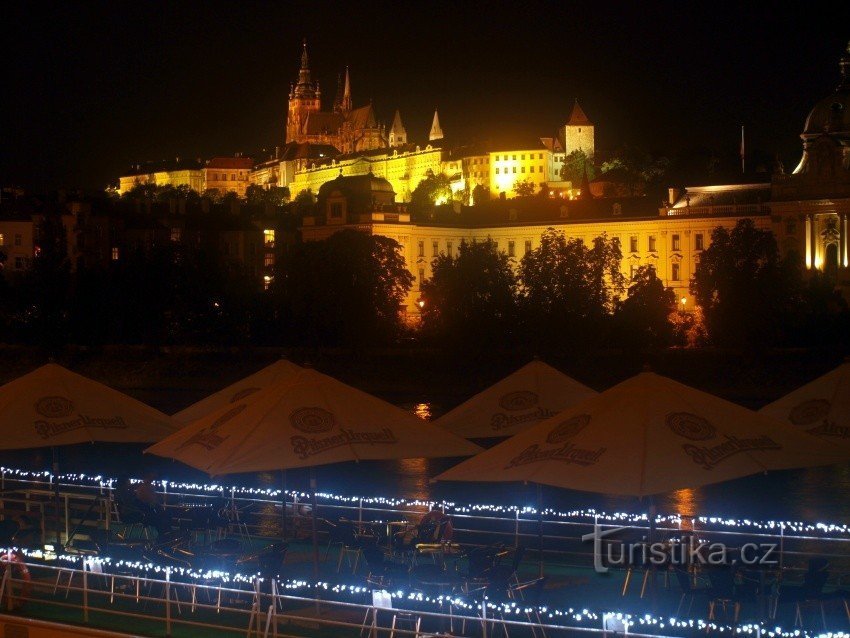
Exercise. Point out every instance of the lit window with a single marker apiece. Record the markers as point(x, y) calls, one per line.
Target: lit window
point(267, 280)
point(651, 243)
point(115, 253)
point(421, 247)
point(2, 240)
point(675, 272)
point(268, 238)
point(268, 260)
point(698, 241)
point(511, 249)
point(676, 242)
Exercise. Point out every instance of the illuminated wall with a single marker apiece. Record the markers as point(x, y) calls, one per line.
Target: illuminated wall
point(16, 241)
point(509, 167)
point(579, 138)
point(404, 170)
point(670, 244)
point(192, 178)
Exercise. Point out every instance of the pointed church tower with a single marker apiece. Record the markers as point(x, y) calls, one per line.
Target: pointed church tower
point(345, 104)
point(436, 132)
point(304, 98)
point(579, 133)
point(398, 134)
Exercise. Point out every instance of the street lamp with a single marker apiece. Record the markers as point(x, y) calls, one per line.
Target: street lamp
point(684, 301)
point(420, 303)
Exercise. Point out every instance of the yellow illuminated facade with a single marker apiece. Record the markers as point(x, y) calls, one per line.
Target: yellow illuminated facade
point(193, 178)
point(524, 165)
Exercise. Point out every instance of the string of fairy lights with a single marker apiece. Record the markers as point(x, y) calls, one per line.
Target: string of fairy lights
point(495, 610)
point(786, 527)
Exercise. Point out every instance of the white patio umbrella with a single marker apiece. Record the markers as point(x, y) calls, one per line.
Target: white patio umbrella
point(269, 375)
point(820, 408)
point(529, 395)
point(52, 406)
point(646, 435)
point(305, 420)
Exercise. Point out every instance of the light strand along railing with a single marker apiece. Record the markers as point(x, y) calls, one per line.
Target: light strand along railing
point(167, 598)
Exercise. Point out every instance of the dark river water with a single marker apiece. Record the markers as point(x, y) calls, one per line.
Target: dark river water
point(814, 495)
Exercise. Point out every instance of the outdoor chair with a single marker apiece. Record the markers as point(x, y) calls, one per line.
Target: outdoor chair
point(382, 572)
point(724, 593)
point(689, 590)
point(531, 592)
point(809, 594)
point(501, 577)
point(343, 534)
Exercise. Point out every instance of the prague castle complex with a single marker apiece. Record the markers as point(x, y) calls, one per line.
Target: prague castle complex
point(364, 172)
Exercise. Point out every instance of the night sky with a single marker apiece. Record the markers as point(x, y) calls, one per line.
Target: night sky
point(90, 87)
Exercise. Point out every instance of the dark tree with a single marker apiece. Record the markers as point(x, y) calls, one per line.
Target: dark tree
point(575, 165)
point(643, 318)
point(470, 300)
point(348, 289)
point(569, 289)
point(480, 194)
point(745, 289)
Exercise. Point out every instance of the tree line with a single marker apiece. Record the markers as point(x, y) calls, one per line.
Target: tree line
point(349, 290)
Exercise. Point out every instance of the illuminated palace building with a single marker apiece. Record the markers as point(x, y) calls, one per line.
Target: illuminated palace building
point(364, 173)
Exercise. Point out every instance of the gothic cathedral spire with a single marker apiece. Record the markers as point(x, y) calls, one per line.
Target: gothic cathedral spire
point(398, 134)
point(436, 132)
point(346, 94)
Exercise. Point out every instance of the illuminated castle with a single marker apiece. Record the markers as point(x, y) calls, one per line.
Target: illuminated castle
point(346, 128)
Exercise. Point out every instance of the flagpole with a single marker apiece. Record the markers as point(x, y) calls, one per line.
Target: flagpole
point(743, 155)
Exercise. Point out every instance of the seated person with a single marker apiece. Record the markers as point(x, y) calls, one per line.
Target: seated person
point(155, 513)
point(434, 527)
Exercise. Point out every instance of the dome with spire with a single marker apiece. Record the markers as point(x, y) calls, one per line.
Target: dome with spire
point(832, 114)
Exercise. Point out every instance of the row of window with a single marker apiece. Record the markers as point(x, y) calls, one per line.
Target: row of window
point(675, 272)
point(676, 244)
point(19, 239)
point(481, 160)
point(521, 157)
point(435, 248)
point(522, 169)
point(223, 177)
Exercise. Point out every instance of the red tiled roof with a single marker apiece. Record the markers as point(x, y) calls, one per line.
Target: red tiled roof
point(577, 117)
point(231, 162)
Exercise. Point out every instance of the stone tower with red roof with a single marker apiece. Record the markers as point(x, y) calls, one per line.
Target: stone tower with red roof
point(578, 132)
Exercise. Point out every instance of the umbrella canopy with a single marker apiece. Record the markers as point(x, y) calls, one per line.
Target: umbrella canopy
point(269, 375)
point(53, 406)
point(644, 436)
point(821, 408)
point(532, 394)
point(306, 420)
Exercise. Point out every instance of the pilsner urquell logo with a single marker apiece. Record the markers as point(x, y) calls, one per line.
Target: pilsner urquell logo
point(208, 437)
point(566, 453)
point(319, 421)
point(55, 408)
point(696, 428)
point(813, 416)
point(517, 401)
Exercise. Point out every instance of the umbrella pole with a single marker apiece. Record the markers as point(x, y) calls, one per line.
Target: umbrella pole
point(540, 530)
point(313, 520)
point(651, 566)
point(283, 505)
point(315, 537)
point(56, 498)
